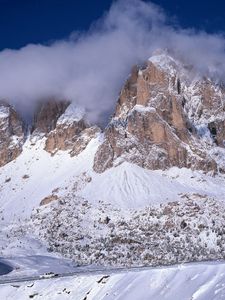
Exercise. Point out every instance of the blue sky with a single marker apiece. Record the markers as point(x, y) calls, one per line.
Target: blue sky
point(206, 15)
point(41, 21)
point(38, 21)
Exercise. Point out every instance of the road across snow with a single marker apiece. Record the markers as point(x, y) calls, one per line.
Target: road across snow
point(197, 281)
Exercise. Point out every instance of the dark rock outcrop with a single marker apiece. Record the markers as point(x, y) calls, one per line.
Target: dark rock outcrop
point(47, 114)
point(11, 133)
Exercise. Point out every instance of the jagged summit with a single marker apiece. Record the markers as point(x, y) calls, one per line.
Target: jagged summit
point(162, 59)
point(165, 116)
point(11, 133)
point(60, 123)
point(158, 116)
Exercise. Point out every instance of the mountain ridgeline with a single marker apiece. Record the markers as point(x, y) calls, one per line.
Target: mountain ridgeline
point(166, 115)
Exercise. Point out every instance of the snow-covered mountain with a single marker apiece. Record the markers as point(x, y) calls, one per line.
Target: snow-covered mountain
point(147, 190)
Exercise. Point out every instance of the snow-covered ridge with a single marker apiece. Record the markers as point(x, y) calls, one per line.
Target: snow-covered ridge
point(4, 112)
point(165, 62)
point(72, 114)
point(130, 186)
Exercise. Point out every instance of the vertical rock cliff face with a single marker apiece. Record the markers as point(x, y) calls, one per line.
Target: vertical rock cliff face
point(157, 118)
point(71, 132)
point(166, 115)
point(11, 134)
point(64, 126)
point(47, 114)
point(59, 122)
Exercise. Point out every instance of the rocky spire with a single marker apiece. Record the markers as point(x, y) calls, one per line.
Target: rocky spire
point(156, 120)
point(11, 133)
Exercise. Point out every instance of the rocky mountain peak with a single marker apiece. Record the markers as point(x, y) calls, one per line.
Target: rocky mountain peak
point(156, 120)
point(72, 132)
point(11, 133)
point(61, 123)
point(164, 61)
point(166, 115)
point(47, 114)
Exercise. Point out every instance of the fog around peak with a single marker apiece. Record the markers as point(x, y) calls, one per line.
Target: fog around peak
point(90, 68)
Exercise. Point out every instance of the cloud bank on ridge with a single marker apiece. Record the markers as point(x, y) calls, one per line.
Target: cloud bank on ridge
point(90, 68)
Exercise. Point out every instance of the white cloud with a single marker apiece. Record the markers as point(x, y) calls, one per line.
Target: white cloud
point(90, 68)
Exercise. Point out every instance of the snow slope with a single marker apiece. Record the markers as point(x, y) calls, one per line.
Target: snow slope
point(202, 281)
point(25, 181)
point(72, 114)
point(85, 199)
point(130, 186)
point(33, 176)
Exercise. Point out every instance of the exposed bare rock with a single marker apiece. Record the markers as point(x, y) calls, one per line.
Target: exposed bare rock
point(127, 98)
point(206, 101)
point(165, 116)
point(154, 124)
point(71, 132)
point(83, 139)
point(48, 199)
point(11, 134)
point(150, 142)
point(64, 136)
point(150, 81)
point(47, 115)
point(104, 157)
point(217, 130)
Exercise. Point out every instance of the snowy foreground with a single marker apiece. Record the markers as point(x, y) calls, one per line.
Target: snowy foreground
point(204, 281)
point(127, 211)
point(58, 206)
